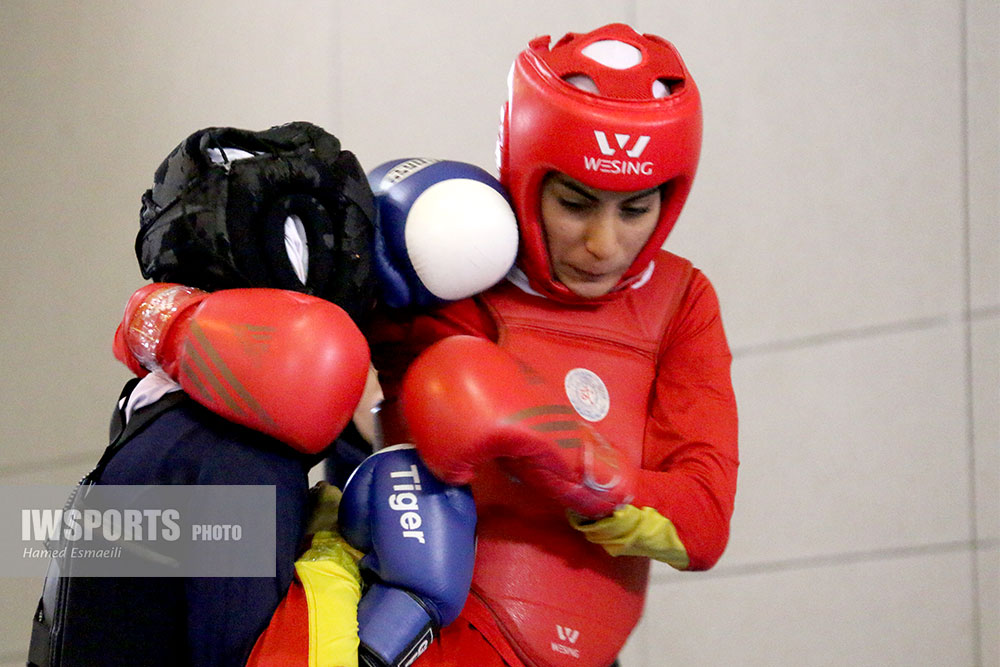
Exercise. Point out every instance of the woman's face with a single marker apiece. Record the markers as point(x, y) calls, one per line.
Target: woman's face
point(594, 235)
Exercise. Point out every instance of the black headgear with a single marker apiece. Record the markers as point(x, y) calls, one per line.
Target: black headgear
point(219, 223)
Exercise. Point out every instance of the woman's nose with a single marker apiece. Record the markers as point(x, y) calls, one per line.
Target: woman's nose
point(602, 240)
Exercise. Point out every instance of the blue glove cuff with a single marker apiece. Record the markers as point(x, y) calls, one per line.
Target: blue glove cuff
point(394, 627)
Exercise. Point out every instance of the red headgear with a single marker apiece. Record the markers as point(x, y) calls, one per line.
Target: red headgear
point(640, 128)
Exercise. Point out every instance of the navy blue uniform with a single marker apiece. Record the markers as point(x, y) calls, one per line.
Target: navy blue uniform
point(188, 621)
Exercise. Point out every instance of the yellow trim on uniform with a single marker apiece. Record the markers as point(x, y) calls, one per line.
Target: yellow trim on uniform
point(632, 531)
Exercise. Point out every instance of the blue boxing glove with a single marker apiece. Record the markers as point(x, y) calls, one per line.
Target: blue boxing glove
point(444, 230)
point(419, 538)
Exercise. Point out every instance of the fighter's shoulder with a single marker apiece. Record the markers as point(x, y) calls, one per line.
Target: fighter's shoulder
point(187, 444)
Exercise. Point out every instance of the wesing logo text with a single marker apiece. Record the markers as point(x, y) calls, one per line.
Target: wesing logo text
point(566, 635)
point(611, 165)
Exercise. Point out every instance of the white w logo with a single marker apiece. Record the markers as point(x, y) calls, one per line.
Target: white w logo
point(568, 635)
point(622, 140)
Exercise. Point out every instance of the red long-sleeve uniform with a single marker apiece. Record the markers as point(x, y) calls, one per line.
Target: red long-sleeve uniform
point(650, 369)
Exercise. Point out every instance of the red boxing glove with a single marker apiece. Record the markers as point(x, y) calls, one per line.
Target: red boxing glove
point(287, 364)
point(468, 402)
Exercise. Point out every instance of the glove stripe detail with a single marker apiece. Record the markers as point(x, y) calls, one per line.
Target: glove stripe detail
point(539, 411)
point(199, 386)
point(225, 382)
point(546, 427)
point(196, 370)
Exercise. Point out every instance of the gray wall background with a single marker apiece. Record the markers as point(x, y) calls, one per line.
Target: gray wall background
point(846, 209)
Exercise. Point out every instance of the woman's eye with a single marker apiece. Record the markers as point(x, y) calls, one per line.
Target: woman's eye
point(635, 211)
point(573, 204)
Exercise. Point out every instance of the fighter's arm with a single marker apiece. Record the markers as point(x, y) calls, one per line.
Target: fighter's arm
point(287, 364)
point(294, 366)
point(410, 537)
point(397, 339)
point(468, 402)
point(419, 540)
point(684, 493)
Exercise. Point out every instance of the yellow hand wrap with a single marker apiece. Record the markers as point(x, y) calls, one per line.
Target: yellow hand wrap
point(632, 531)
point(331, 581)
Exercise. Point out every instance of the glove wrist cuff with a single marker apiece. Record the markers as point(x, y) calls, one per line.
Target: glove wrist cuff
point(395, 626)
point(155, 315)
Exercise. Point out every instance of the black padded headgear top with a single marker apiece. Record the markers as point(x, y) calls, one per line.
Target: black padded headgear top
point(218, 224)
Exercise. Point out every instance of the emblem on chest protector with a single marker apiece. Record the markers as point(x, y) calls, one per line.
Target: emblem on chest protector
point(587, 394)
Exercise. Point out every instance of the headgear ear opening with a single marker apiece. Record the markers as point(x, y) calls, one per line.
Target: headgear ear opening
point(215, 221)
point(320, 242)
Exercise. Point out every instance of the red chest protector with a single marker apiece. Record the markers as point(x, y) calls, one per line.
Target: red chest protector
point(559, 599)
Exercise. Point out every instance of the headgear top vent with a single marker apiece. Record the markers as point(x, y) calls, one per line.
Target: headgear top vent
point(611, 108)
